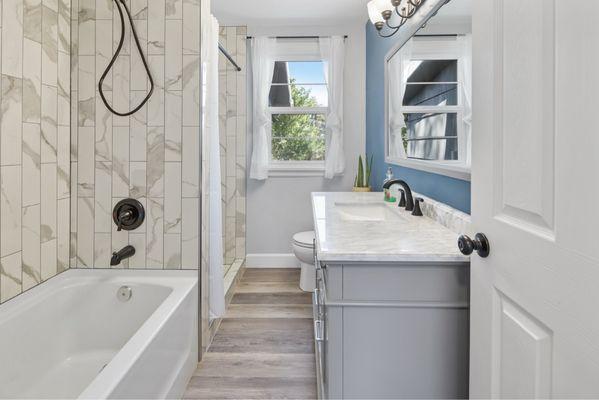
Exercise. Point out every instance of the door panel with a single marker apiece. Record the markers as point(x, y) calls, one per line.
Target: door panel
point(535, 175)
point(524, 353)
point(525, 131)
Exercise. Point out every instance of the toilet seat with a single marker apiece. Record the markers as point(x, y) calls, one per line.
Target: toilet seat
point(304, 239)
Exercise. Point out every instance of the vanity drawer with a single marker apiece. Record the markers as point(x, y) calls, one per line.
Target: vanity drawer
point(422, 282)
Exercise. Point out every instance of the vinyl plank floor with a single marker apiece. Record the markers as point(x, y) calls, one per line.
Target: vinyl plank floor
point(268, 287)
point(251, 388)
point(271, 275)
point(272, 298)
point(253, 365)
point(269, 311)
point(264, 335)
point(264, 348)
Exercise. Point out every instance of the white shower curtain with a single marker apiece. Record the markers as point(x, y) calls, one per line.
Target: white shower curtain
point(263, 65)
point(332, 51)
point(399, 72)
point(466, 79)
point(215, 256)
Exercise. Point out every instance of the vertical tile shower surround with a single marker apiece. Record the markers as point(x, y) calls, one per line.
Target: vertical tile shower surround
point(154, 155)
point(34, 142)
point(232, 119)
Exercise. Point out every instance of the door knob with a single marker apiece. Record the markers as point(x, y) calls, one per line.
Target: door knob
point(480, 243)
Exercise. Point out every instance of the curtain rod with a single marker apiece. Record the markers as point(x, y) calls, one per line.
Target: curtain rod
point(298, 37)
point(228, 56)
point(440, 35)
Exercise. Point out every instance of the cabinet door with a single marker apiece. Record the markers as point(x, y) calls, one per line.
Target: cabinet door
point(402, 352)
point(334, 352)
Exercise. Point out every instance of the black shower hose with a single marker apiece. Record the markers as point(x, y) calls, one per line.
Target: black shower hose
point(116, 54)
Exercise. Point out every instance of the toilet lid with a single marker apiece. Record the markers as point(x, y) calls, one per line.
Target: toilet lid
point(304, 239)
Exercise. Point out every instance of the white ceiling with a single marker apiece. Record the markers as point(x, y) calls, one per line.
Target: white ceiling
point(288, 12)
point(309, 12)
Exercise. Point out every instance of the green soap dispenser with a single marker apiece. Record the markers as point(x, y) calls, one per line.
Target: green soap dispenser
point(388, 177)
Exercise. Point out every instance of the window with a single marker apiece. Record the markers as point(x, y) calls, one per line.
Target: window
point(429, 110)
point(298, 105)
point(430, 107)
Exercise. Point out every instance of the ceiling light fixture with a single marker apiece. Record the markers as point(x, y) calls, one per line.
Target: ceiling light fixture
point(381, 14)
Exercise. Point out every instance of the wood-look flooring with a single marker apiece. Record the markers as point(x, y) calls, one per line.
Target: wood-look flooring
point(264, 348)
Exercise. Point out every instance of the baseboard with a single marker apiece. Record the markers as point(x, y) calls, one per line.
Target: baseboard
point(271, 260)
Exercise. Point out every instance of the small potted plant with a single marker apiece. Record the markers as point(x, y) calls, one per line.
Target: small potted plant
point(362, 181)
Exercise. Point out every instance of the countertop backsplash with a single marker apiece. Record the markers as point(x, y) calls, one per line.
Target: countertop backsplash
point(454, 220)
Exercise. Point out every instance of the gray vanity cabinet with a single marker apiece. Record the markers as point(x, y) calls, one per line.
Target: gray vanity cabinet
point(392, 330)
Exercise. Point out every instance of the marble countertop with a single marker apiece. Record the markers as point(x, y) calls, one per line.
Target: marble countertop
point(354, 227)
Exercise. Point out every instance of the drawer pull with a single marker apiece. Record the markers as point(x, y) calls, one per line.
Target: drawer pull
point(318, 337)
point(315, 305)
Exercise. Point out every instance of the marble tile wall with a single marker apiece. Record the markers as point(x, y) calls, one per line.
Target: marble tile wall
point(154, 155)
point(232, 115)
point(34, 142)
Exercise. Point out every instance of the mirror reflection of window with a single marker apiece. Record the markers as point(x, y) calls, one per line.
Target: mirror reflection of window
point(428, 118)
point(431, 136)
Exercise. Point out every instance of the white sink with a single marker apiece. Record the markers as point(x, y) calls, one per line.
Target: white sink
point(366, 212)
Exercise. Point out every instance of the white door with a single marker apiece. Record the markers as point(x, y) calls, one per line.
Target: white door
point(535, 181)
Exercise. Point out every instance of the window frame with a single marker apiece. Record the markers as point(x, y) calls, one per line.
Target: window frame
point(296, 50)
point(428, 48)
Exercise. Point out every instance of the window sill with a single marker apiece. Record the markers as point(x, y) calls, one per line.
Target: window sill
point(453, 171)
point(296, 169)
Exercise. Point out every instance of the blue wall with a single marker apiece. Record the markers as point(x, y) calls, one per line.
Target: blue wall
point(454, 192)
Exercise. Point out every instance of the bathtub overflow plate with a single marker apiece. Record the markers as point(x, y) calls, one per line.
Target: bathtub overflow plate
point(124, 293)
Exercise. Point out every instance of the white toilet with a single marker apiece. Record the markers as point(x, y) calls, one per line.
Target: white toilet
point(303, 248)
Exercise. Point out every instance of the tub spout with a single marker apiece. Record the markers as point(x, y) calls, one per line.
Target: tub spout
point(123, 254)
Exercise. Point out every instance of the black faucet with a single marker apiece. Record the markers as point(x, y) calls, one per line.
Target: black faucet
point(123, 254)
point(407, 190)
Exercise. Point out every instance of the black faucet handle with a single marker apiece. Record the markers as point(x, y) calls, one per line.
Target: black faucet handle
point(128, 214)
point(417, 210)
point(123, 218)
point(402, 199)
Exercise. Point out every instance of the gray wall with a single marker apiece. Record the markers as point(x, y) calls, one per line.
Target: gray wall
point(280, 206)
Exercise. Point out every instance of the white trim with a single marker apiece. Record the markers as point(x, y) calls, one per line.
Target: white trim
point(458, 171)
point(298, 110)
point(271, 260)
point(296, 168)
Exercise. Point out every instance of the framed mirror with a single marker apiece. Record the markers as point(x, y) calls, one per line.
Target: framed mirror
point(428, 90)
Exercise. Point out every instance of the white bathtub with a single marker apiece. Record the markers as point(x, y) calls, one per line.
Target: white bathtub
point(71, 337)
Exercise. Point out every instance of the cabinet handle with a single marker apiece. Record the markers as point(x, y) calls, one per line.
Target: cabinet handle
point(317, 331)
point(315, 304)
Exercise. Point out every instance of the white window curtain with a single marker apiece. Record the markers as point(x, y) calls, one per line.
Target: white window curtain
point(211, 130)
point(465, 76)
point(332, 51)
point(398, 73)
point(263, 64)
